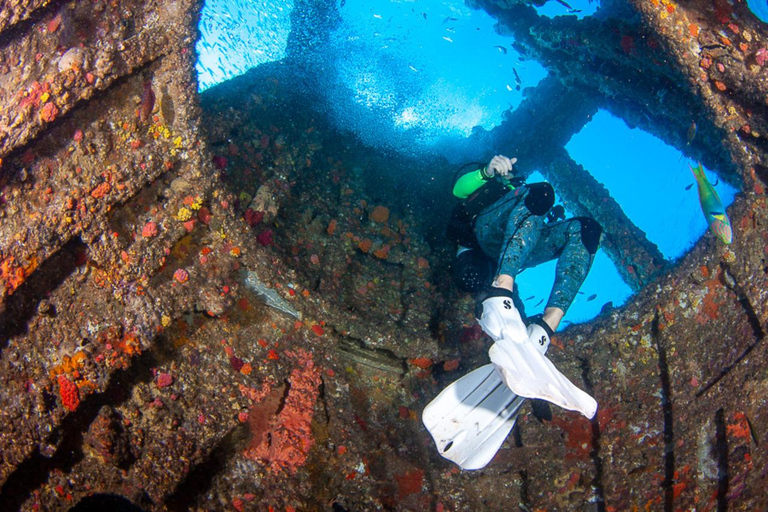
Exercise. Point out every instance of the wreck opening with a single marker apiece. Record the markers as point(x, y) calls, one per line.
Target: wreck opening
point(236, 36)
point(448, 83)
point(651, 180)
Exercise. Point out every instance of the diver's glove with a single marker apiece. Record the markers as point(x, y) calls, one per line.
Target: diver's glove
point(497, 315)
point(499, 165)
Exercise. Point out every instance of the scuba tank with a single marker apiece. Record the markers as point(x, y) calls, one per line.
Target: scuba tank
point(473, 269)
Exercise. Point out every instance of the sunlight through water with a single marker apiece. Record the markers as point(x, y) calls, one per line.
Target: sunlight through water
point(434, 70)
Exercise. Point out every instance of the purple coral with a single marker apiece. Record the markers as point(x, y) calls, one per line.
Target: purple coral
point(265, 238)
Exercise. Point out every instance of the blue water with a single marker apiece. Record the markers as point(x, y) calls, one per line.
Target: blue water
point(419, 76)
point(237, 35)
point(580, 8)
point(759, 8)
point(648, 179)
point(431, 70)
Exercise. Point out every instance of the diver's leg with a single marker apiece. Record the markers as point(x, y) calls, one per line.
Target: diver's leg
point(574, 242)
point(575, 262)
point(518, 353)
point(510, 228)
point(553, 315)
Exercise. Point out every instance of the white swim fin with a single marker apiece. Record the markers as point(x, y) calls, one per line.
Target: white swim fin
point(470, 418)
point(529, 373)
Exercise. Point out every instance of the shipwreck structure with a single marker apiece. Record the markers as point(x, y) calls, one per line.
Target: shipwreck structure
point(188, 323)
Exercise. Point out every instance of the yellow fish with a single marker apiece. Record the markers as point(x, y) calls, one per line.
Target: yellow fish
point(712, 207)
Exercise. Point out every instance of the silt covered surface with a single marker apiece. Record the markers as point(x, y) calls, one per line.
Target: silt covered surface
point(137, 360)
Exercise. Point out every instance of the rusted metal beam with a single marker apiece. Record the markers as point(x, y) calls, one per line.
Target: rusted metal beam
point(637, 259)
point(72, 54)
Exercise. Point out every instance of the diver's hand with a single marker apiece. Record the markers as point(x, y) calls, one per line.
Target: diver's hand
point(500, 165)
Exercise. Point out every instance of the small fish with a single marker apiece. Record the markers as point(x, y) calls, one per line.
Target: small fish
point(531, 297)
point(147, 102)
point(448, 39)
point(580, 293)
point(446, 20)
point(539, 303)
point(509, 87)
point(343, 3)
point(413, 69)
point(691, 134)
point(518, 81)
point(712, 207)
point(424, 14)
point(377, 16)
point(592, 297)
point(502, 49)
point(270, 295)
point(689, 187)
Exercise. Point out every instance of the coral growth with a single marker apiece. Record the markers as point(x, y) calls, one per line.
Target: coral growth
point(578, 435)
point(70, 397)
point(283, 441)
point(265, 238)
point(181, 275)
point(365, 245)
point(409, 483)
point(149, 230)
point(164, 380)
point(253, 217)
point(380, 214)
point(11, 275)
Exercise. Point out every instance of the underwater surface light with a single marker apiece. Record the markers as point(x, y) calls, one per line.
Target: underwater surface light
point(441, 66)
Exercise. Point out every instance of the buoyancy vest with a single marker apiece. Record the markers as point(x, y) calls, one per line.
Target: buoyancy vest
point(461, 225)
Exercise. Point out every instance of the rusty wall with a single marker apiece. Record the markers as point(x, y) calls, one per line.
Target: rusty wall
point(100, 146)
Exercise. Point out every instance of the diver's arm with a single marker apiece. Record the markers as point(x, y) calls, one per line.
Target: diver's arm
point(468, 183)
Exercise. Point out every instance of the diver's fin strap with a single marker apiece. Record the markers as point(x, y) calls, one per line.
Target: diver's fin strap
point(539, 320)
point(499, 318)
point(487, 293)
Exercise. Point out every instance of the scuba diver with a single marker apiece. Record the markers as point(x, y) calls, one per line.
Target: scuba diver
point(503, 226)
